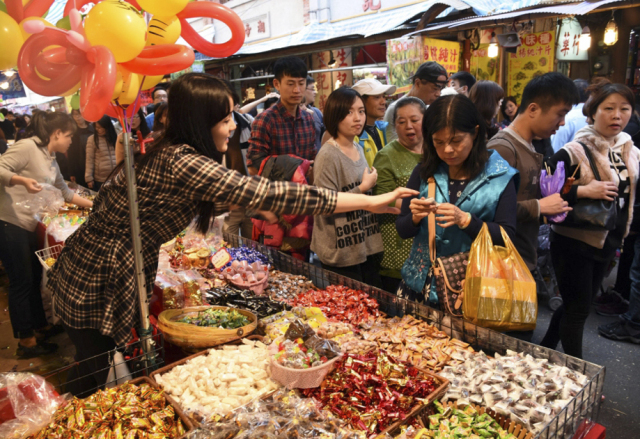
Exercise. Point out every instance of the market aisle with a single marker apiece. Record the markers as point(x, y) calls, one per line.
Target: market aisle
point(8, 344)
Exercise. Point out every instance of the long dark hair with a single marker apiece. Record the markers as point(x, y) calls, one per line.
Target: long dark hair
point(157, 117)
point(44, 124)
point(143, 128)
point(486, 96)
point(503, 107)
point(459, 114)
point(111, 135)
point(196, 103)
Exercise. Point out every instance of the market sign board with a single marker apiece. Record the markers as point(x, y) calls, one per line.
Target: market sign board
point(404, 56)
point(568, 42)
point(534, 58)
point(445, 53)
point(15, 88)
point(257, 28)
point(483, 67)
point(326, 82)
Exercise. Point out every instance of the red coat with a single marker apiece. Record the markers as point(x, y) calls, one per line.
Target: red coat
point(294, 231)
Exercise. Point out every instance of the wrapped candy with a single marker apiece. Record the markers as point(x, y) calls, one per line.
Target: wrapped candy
point(217, 318)
point(285, 286)
point(262, 306)
point(340, 303)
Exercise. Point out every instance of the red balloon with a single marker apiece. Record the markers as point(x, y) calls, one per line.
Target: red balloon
point(37, 8)
point(161, 60)
point(79, 4)
point(52, 62)
point(97, 83)
point(27, 59)
point(15, 9)
point(218, 12)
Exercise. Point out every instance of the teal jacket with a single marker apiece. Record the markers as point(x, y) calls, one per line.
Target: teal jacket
point(479, 198)
point(368, 145)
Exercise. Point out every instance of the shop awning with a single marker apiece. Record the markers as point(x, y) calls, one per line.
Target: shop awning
point(365, 25)
point(576, 8)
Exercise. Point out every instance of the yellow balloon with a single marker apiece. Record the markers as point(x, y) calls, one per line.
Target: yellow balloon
point(163, 30)
point(72, 91)
point(163, 8)
point(118, 26)
point(118, 87)
point(12, 41)
point(129, 87)
point(151, 81)
point(26, 34)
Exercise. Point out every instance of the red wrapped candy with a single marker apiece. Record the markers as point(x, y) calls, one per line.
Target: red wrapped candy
point(340, 303)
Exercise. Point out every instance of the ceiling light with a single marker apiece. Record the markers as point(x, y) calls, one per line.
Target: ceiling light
point(611, 33)
point(585, 39)
point(9, 73)
point(493, 46)
point(4, 85)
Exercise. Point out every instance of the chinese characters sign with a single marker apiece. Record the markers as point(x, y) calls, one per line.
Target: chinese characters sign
point(534, 58)
point(483, 67)
point(257, 28)
point(404, 56)
point(568, 42)
point(326, 82)
point(371, 5)
point(445, 53)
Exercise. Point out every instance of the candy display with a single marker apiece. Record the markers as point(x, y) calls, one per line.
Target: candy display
point(247, 254)
point(277, 324)
point(221, 380)
point(285, 286)
point(416, 341)
point(217, 318)
point(282, 415)
point(127, 411)
point(528, 389)
point(341, 303)
point(301, 348)
point(334, 329)
point(374, 391)
point(243, 272)
point(262, 306)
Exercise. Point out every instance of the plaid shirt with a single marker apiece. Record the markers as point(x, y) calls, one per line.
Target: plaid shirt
point(93, 281)
point(276, 132)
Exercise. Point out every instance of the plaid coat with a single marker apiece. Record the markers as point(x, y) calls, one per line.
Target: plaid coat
point(93, 281)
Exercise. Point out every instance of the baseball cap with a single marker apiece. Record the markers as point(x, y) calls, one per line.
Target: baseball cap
point(430, 71)
point(373, 87)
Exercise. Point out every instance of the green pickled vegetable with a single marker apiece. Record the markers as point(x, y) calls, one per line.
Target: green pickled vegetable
point(217, 318)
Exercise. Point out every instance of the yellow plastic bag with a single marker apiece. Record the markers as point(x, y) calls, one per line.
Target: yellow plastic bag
point(499, 290)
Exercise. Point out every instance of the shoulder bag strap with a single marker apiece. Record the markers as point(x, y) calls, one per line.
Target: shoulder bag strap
point(431, 193)
point(594, 168)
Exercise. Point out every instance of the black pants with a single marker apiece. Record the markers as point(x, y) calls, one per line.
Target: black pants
point(623, 282)
point(390, 284)
point(367, 272)
point(18, 255)
point(92, 355)
point(579, 279)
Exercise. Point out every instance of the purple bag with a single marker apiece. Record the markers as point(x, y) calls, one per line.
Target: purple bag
point(552, 184)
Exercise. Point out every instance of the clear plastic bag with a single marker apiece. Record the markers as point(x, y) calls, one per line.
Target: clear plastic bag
point(46, 202)
point(27, 404)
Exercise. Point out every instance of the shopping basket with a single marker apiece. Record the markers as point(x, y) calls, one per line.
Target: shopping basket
point(49, 253)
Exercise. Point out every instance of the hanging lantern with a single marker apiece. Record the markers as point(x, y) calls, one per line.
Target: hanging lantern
point(611, 33)
point(493, 46)
point(585, 38)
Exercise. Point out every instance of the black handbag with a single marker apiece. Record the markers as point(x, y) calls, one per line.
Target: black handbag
point(591, 214)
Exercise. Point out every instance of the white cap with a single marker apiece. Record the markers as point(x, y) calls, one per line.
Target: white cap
point(373, 87)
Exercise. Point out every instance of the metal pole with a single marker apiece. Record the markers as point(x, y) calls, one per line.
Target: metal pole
point(138, 260)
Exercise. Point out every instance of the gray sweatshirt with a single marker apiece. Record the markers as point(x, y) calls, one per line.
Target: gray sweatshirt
point(343, 239)
point(26, 159)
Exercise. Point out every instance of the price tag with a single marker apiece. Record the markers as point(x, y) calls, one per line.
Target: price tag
point(221, 258)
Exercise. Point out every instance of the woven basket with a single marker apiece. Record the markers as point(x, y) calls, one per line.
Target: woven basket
point(195, 338)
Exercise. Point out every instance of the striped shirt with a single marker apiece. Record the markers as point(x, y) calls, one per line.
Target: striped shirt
point(93, 281)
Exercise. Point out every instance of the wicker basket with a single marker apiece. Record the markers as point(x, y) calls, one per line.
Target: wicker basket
point(196, 338)
point(49, 252)
point(517, 429)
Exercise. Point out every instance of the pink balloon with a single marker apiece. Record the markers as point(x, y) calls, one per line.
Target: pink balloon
point(33, 26)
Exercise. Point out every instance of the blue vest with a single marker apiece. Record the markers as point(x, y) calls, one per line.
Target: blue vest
point(480, 198)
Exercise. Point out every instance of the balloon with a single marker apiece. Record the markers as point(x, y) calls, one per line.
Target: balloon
point(163, 8)
point(79, 4)
point(25, 32)
point(37, 8)
point(119, 27)
point(218, 12)
point(163, 30)
point(11, 37)
point(28, 57)
point(130, 87)
point(64, 23)
point(51, 63)
point(15, 9)
point(151, 81)
point(3, 8)
point(97, 83)
point(73, 90)
point(161, 60)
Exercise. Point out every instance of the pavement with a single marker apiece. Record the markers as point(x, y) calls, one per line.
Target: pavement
point(619, 411)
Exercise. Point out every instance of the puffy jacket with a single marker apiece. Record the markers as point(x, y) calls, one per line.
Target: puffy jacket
point(292, 233)
point(101, 159)
point(369, 145)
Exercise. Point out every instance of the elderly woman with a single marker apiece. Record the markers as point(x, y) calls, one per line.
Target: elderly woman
point(472, 186)
point(394, 164)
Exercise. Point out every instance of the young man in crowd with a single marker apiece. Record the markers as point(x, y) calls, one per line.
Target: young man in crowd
point(159, 96)
point(309, 100)
point(427, 83)
point(546, 100)
point(462, 82)
point(7, 124)
point(374, 96)
point(284, 128)
point(574, 121)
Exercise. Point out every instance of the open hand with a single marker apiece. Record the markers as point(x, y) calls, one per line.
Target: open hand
point(380, 203)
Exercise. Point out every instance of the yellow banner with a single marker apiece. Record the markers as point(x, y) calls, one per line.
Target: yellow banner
point(445, 53)
point(483, 67)
point(404, 56)
point(534, 58)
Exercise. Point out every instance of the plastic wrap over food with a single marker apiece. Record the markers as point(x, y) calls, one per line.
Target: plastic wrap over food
point(27, 403)
point(46, 202)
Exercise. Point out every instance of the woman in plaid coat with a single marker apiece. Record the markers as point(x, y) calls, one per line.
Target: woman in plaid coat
point(180, 177)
